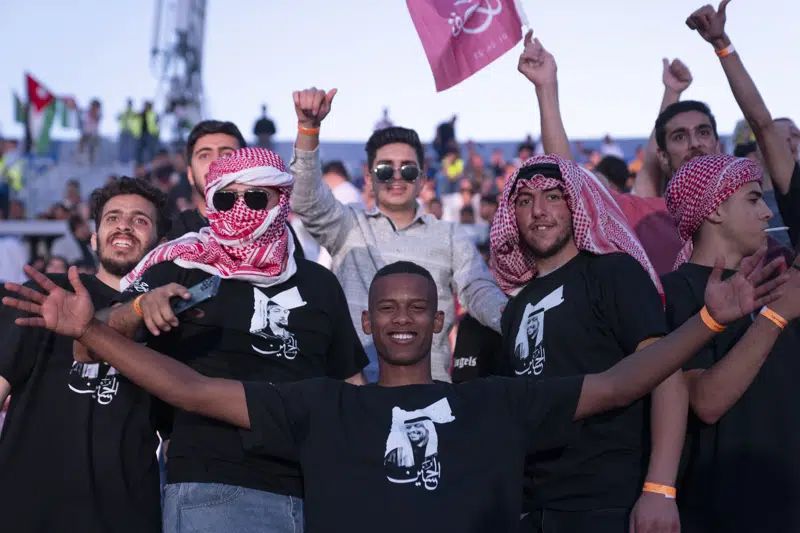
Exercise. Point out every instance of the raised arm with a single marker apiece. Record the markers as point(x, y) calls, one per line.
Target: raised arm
point(676, 78)
point(640, 372)
point(72, 315)
point(325, 218)
point(710, 24)
point(714, 391)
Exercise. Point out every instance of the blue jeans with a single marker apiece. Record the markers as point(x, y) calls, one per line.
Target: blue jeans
point(218, 508)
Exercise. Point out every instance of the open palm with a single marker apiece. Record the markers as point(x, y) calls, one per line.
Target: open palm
point(745, 291)
point(60, 311)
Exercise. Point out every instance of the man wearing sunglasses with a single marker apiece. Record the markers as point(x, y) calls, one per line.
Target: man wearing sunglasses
point(275, 318)
point(362, 241)
point(208, 141)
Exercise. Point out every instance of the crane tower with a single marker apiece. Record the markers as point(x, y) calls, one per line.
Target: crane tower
point(177, 61)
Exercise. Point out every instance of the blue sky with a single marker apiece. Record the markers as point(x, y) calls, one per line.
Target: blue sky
point(608, 52)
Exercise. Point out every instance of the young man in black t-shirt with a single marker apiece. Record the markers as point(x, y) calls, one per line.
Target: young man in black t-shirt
point(582, 302)
point(406, 453)
point(275, 318)
point(742, 471)
point(78, 450)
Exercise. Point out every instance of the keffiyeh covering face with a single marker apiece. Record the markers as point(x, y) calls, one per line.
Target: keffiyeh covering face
point(598, 224)
point(700, 186)
point(240, 243)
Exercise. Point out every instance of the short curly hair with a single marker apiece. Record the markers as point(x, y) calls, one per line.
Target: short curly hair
point(137, 186)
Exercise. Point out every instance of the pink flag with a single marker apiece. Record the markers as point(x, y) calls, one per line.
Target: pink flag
point(460, 37)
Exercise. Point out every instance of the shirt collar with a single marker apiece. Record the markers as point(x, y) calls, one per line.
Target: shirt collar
point(420, 216)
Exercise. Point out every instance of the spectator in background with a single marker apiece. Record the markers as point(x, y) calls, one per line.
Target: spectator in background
point(445, 139)
point(638, 160)
point(454, 202)
point(452, 170)
point(748, 150)
point(56, 265)
point(609, 147)
point(435, 208)
point(127, 127)
point(90, 130)
point(335, 175)
point(497, 162)
point(616, 171)
point(76, 245)
point(147, 131)
point(476, 171)
point(179, 197)
point(73, 199)
point(264, 129)
point(525, 151)
point(385, 121)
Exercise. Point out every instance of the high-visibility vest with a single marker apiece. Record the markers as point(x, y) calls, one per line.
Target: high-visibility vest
point(151, 122)
point(12, 173)
point(127, 122)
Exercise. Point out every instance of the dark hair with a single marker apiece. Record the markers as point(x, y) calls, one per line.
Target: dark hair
point(745, 149)
point(489, 199)
point(74, 221)
point(467, 210)
point(615, 169)
point(404, 267)
point(139, 187)
point(335, 167)
point(210, 127)
point(394, 134)
point(676, 109)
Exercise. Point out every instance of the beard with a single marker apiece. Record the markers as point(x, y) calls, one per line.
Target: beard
point(119, 268)
point(553, 249)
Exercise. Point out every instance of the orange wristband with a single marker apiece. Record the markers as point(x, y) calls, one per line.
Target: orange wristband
point(664, 490)
point(709, 321)
point(725, 52)
point(136, 306)
point(308, 131)
point(773, 317)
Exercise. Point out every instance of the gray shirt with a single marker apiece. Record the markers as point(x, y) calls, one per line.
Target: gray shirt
point(361, 242)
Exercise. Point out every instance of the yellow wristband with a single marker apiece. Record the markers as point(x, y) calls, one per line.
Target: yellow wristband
point(773, 317)
point(709, 321)
point(664, 490)
point(137, 307)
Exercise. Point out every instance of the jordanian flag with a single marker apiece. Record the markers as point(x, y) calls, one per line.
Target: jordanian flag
point(41, 113)
point(19, 110)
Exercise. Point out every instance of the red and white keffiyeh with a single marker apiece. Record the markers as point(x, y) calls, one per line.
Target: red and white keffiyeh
point(700, 186)
point(240, 243)
point(598, 224)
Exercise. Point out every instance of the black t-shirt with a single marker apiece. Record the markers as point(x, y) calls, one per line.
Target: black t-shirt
point(789, 206)
point(477, 351)
point(741, 474)
point(78, 448)
point(421, 458)
point(581, 319)
point(296, 330)
point(191, 221)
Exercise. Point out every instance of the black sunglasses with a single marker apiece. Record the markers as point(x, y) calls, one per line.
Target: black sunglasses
point(255, 199)
point(548, 170)
point(385, 172)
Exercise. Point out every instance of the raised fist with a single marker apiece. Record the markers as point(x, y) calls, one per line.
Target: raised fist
point(710, 24)
point(312, 106)
point(676, 75)
point(536, 63)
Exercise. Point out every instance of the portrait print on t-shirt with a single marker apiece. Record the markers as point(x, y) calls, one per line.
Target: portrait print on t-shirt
point(412, 448)
point(98, 379)
point(529, 352)
point(270, 320)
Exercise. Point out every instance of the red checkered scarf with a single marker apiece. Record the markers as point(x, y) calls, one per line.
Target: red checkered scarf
point(240, 243)
point(598, 223)
point(699, 187)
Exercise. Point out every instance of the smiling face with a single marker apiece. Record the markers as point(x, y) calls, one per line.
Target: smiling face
point(127, 231)
point(397, 194)
point(544, 221)
point(402, 318)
